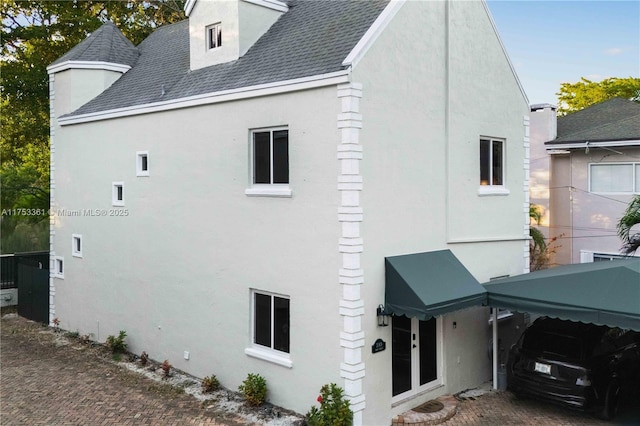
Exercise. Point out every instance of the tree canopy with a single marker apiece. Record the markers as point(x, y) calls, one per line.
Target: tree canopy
point(573, 97)
point(34, 34)
point(629, 227)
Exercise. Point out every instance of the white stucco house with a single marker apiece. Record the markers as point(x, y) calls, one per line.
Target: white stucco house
point(241, 192)
point(584, 172)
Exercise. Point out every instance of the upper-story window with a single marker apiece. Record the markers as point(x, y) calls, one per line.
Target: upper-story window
point(142, 163)
point(492, 160)
point(214, 36)
point(76, 245)
point(270, 162)
point(623, 178)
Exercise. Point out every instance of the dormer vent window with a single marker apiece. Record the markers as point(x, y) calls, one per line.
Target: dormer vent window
point(214, 36)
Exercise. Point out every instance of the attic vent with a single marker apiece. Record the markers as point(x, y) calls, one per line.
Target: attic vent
point(214, 36)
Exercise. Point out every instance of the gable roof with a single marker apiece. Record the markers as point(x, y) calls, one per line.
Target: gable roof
point(616, 119)
point(106, 44)
point(312, 38)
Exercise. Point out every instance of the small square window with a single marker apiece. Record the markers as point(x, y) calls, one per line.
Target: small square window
point(76, 245)
point(214, 36)
point(117, 193)
point(58, 267)
point(142, 163)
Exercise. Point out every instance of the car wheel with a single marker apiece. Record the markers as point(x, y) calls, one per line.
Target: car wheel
point(611, 398)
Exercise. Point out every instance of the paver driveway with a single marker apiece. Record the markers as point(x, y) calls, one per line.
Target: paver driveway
point(45, 384)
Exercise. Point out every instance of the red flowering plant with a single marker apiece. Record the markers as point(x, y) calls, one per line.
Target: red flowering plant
point(334, 408)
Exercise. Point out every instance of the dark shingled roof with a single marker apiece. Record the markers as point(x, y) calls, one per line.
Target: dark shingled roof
point(106, 44)
point(616, 119)
point(312, 38)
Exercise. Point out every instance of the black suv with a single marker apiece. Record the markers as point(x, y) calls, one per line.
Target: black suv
point(583, 366)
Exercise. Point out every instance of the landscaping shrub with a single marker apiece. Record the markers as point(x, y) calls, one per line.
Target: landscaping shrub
point(254, 389)
point(334, 408)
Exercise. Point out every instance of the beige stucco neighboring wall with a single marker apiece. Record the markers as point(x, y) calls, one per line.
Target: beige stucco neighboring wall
point(584, 220)
point(423, 115)
point(176, 267)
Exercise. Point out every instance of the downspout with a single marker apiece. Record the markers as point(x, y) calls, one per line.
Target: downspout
point(495, 348)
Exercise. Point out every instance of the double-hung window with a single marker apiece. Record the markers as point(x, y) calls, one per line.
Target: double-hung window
point(270, 162)
point(621, 178)
point(492, 159)
point(270, 328)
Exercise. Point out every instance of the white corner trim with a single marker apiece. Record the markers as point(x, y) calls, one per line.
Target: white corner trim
point(373, 32)
point(88, 65)
point(504, 50)
point(278, 87)
point(269, 356)
point(270, 4)
point(492, 190)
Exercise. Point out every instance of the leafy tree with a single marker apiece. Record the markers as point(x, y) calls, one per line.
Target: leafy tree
point(540, 250)
point(573, 97)
point(34, 34)
point(631, 218)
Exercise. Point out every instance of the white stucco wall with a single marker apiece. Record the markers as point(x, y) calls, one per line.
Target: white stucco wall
point(176, 272)
point(421, 176)
point(76, 87)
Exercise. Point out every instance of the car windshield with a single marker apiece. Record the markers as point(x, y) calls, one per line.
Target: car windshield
point(550, 343)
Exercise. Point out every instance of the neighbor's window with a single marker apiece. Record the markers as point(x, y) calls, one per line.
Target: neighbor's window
point(117, 193)
point(142, 163)
point(214, 36)
point(76, 245)
point(270, 162)
point(271, 321)
point(615, 178)
point(491, 162)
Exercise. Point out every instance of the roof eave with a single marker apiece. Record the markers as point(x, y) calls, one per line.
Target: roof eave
point(583, 143)
point(267, 89)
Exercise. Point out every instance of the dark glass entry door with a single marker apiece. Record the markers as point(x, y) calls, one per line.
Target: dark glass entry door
point(414, 354)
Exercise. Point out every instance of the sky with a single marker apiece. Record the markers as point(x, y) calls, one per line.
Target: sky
point(551, 42)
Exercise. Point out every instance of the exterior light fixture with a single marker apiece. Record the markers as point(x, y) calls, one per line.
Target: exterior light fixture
point(383, 317)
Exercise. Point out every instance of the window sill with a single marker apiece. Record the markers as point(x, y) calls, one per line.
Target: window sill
point(77, 255)
point(269, 191)
point(269, 356)
point(492, 190)
point(142, 174)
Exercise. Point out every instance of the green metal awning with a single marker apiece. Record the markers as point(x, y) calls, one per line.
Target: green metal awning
point(425, 285)
point(605, 293)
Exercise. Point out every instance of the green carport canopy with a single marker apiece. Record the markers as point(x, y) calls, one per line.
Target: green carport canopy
point(425, 285)
point(605, 293)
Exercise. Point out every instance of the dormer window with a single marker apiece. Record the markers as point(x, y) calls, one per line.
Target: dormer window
point(214, 36)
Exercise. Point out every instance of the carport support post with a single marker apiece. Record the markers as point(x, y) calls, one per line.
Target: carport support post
point(494, 351)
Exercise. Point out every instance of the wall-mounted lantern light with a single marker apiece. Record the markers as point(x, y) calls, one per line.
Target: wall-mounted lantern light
point(383, 317)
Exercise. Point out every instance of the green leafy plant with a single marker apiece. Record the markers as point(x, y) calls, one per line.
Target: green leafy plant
point(117, 344)
point(144, 358)
point(334, 408)
point(166, 367)
point(72, 334)
point(210, 383)
point(254, 389)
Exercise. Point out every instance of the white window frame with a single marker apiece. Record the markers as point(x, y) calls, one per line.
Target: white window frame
point(58, 260)
point(635, 168)
point(114, 194)
point(216, 30)
point(267, 189)
point(139, 162)
point(262, 352)
point(75, 239)
point(490, 189)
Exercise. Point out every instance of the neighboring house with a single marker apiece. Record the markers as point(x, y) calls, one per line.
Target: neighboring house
point(591, 172)
point(230, 190)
